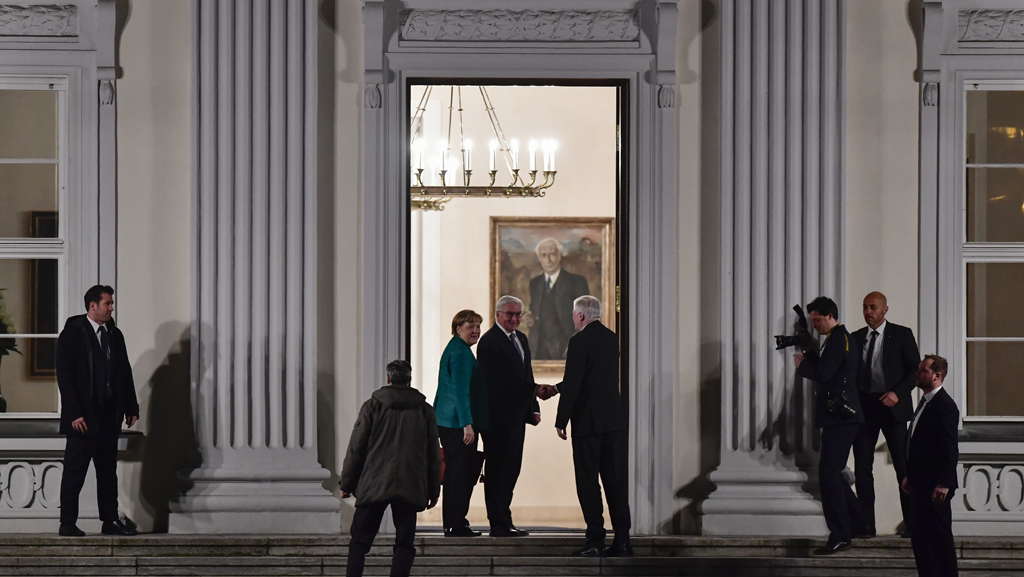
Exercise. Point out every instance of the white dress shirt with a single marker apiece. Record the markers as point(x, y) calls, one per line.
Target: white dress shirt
point(921, 407)
point(877, 373)
point(96, 330)
point(551, 279)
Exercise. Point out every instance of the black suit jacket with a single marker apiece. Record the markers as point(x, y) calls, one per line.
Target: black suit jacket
point(76, 370)
point(900, 358)
point(933, 448)
point(834, 371)
point(551, 333)
point(590, 388)
point(511, 390)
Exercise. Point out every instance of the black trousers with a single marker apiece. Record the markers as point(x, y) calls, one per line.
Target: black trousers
point(878, 419)
point(504, 449)
point(80, 450)
point(931, 535)
point(838, 502)
point(459, 476)
point(602, 455)
point(365, 525)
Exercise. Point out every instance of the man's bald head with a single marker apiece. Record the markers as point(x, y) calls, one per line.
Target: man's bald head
point(875, 307)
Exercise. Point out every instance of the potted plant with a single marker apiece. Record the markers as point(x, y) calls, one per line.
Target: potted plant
point(7, 344)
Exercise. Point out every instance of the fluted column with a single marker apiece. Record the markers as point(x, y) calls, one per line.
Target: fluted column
point(254, 273)
point(781, 244)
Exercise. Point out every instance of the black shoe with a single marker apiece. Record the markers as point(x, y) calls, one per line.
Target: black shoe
point(905, 534)
point(832, 547)
point(590, 550)
point(864, 534)
point(619, 550)
point(70, 530)
point(510, 531)
point(117, 528)
point(463, 531)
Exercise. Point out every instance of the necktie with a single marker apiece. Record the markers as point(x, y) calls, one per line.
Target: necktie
point(913, 423)
point(515, 343)
point(869, 362)
point(549, 286)
point(104, 342)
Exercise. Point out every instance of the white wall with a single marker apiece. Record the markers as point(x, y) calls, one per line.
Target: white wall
point(152, 291)
point(881, 184)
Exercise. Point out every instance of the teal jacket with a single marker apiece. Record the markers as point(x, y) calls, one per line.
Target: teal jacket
point(461, 397)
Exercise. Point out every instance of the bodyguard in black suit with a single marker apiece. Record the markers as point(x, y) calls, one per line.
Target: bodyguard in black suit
point(97, 392)
point(887, 375)
point(552, 294)
point(931, 472)
point(504, 355)
point(837, 411)
point(591, 401)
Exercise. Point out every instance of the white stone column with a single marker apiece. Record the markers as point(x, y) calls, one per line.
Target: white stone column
point(781, 244)
point(254, 273)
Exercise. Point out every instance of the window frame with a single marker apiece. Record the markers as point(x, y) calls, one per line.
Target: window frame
point(977, 252)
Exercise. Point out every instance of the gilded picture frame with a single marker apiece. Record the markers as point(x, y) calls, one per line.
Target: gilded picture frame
point(587, 259)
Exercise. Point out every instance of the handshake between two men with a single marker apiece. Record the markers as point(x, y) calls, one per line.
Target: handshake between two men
point(545, 392)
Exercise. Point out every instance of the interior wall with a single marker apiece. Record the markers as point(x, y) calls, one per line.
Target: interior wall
point(153, 244)
point(582, 120)
point(881, 184)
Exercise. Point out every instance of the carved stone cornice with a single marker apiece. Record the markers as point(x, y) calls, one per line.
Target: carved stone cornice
point(521, 25)
point(38, 20)
point(990, 26)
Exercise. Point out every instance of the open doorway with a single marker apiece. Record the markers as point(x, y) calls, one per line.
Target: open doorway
point(468, 250)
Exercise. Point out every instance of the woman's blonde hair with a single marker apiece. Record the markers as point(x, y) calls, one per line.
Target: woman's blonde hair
point(466, 316)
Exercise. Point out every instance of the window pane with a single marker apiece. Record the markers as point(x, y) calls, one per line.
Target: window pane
point(25, 387)
point(994, 304)
point(28, 296)
point(995, 378)
point(28, 124)
point(28, 195)
point(995, 127)
point(995, 205)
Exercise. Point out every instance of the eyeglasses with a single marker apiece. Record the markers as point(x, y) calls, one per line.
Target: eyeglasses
point(518, 315)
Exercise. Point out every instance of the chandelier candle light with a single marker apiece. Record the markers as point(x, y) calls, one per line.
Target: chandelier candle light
point(442, 187)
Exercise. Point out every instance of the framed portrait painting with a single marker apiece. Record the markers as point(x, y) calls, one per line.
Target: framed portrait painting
point(548, 263)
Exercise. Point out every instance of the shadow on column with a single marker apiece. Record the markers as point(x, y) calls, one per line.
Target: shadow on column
point(170, 445)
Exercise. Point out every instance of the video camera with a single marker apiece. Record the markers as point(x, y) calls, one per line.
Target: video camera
point(801, 339)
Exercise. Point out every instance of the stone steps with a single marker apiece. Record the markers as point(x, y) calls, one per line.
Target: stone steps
point(537, 556)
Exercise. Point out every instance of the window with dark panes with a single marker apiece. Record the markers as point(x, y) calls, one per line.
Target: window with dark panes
point(32, 239)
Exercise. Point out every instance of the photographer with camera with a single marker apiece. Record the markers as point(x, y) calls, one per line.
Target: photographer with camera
point(833, 368)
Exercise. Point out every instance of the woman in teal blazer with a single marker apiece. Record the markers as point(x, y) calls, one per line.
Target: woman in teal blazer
point(460, 406)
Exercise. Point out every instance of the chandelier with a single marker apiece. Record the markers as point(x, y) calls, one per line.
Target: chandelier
point(439, 175)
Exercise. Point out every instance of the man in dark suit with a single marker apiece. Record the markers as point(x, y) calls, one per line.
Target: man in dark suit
point(551, 299)
point(504, 356)
point(887, 375)
point(931, 477)
point(591, 401)
point(97, 392)
point(837, 412)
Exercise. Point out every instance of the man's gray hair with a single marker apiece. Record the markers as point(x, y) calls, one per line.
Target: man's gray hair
point(558, 245)
point(589, 306)
point(506, 300)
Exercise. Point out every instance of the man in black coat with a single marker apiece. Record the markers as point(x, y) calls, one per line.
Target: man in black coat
point(393, 458)
point(931, 477)
point(551, 299)
point(837, 412)
point(97, 392)
point(591, 401)
point(887, 375)
point(504, 356)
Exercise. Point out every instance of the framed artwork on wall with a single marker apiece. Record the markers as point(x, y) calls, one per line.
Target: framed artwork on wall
point(547, 263)
point(42, 353)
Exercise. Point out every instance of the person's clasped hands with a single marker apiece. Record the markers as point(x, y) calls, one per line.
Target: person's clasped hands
point(545, 392)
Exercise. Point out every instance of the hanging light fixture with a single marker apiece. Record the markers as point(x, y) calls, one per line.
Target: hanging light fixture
point(440, 176)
